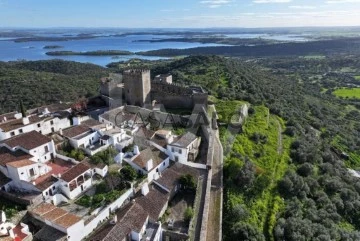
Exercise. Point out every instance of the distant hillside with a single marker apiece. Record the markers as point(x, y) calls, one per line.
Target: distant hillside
point(44, 82)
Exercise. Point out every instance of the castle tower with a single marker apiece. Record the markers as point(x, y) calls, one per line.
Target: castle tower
point(137, 87)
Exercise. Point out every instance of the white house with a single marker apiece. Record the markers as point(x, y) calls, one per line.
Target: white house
point(184, 148)
point(76, 180)
point(40, 147)
point(44, 122)
point(149, 162)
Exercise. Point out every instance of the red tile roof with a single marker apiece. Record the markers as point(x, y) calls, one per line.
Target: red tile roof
point(28, 140)
point(130, 218)
point(157, 156)
point(21, 163)
point(75, 131)
point(7, 155)
point(55, 215)
point(18, 123)
point(74, 172)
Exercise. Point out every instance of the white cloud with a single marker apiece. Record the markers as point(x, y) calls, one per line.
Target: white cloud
point(343, 1)
point(302, 7)
point(272, 1)
point(215, 3)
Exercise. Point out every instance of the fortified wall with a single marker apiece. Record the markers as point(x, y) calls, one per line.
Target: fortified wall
point(134, 87)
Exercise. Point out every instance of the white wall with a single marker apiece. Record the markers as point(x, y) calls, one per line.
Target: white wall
point(94, 137)
point(46, 126)
point(105, 213)
point(65, 188)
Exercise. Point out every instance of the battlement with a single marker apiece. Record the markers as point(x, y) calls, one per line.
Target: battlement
point(136, 71)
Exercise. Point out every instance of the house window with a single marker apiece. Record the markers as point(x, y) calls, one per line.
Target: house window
point(164, 164)
point(176, 158)
point(21, 131)
point(46, 149)
point(180, 151)
point(53, 187)
point(32, 172)
point(172, 149)
point(52, 122)
point(12, 133)
point(38, 125)
point(22, 173)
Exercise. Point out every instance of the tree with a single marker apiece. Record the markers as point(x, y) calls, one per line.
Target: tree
point(22, 109)
point(128, 173)
point(188, 182)
point(188, 214)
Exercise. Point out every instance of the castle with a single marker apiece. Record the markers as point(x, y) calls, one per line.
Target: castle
point(135, 87)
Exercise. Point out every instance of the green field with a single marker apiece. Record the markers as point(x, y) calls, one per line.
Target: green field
point(348, 93)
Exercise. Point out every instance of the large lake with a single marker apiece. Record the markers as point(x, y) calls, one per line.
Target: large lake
point(34, 50)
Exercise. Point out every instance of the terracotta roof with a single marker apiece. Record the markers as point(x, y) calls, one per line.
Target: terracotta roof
point(130, 218)
point(145, 133)
point(55, 215)
point(91, 123)
point(18, 123)
point(185, 140)
point(75, 131)
point(28, 140)
point(52, 108)
point(43, 208)
point(170, 176)
point(74, 172)
point(154, 202)
point(58, 166)
point(21, 163)
point(159, 140)
point(8, 116)
point(157, 156)
point(67, 220)
point(118, 116)
point(46, 183)
point(3, 181)
point(7, 155)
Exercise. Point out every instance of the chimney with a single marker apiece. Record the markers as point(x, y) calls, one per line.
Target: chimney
point(3, 217)
point(149, 165)
point(25, 120)
point(4, 119)
point(60, 131)
point(136, 150)
point(46, 111)
point(145, 189)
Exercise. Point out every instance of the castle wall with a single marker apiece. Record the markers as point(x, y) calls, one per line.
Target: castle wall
point(173, 101)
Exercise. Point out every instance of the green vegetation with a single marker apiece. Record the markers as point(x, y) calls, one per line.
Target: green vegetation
point(10, 208)
point(188, 214)
point(188, 182)
point(105, 157)
point(258, 159)
point(348, 93)
point(103, 196)
point(128, 173)
point(45, 82)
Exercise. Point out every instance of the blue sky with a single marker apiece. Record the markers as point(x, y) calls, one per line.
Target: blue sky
point(178, 13)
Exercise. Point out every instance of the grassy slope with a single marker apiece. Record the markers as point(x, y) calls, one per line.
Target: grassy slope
point(271, 166)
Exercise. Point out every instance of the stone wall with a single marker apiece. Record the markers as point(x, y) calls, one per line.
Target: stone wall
point(174, 236)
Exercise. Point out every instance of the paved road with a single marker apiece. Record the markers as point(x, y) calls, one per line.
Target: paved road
point(214, 218)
